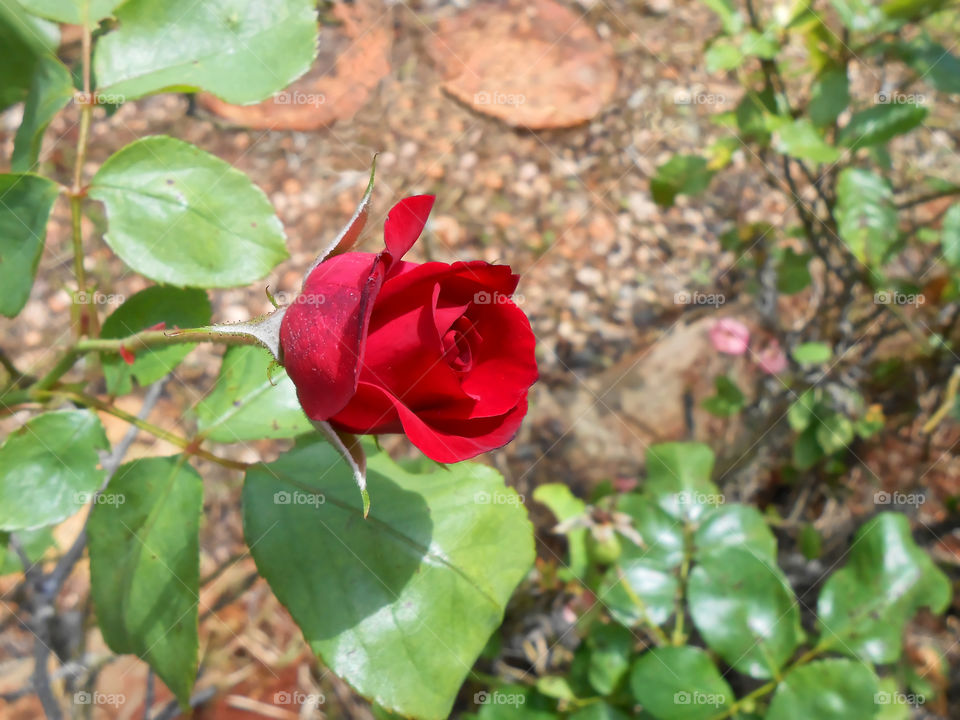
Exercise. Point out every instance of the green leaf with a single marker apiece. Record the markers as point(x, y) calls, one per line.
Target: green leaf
point(793, 272)
point(610, 649)
point(184, 217)
point(402, 603)
point(880, 124)
point(48, 468)
point(812, 353)
point(513, 702)
point(866, 216)
point(806, 449)
point(642, 586)
point(74, 12)
point(50, 90)
point(826, 690)
point(729, 15)
point(599, 711)
point(723, 54)
point(681, 174)
point(23, 40)
point(862, 15)
point(679, 683)
point(803, 411)
point(864, 606)
point(752, 113)
point(145, 566)
point(565, 505)
point(735, 525)
point(174, 306)
point(25, 203)
point(743, 606)
point(829, 97)
point(247, 403)
point(800, 139)
point(678, 478)
point(754, 44)
point(728, 400)
point(950, 237)
point(931, 61)
point(892, 701)
point(238, 50)
point(834, 433)
point(912, 10)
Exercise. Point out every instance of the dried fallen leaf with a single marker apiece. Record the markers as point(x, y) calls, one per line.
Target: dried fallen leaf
point(533, 64)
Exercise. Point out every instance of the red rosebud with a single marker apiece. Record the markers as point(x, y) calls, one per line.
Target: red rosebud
point(438, 351)
point(127, 355)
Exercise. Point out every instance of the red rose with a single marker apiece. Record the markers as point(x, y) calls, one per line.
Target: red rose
point(434, 350)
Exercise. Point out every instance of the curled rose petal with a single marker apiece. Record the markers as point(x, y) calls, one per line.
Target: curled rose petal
point(771, 358)
point(730, 336)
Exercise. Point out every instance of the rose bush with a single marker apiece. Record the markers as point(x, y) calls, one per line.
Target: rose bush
point(438, 351)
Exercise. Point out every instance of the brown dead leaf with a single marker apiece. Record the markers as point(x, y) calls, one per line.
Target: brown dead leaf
point(353, 59)
point(533, 64)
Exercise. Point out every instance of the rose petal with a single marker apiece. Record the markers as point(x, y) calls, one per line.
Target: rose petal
point(324, 332)
point(730, 336)
point(404, 223)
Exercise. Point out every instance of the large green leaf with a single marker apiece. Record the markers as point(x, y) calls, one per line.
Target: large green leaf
point(23, 40)
point(678, 477)
point(25, 203)
point(933, 62)
point(864, 606)
point(826, 690)
point(829, 97)
point(400, 604)
point(145, 566)
point(177, 307)
point(745, 610)
point(735, 525)
point(880, 123)
point(75, 12)
point(238, 50)
point(610, 649)
point(184, 217)
point(800, 139)
point(679, 683)
point(48, 468)
point(641, 587)
point(866, 216)
point(248, 403)
point(51, 88)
